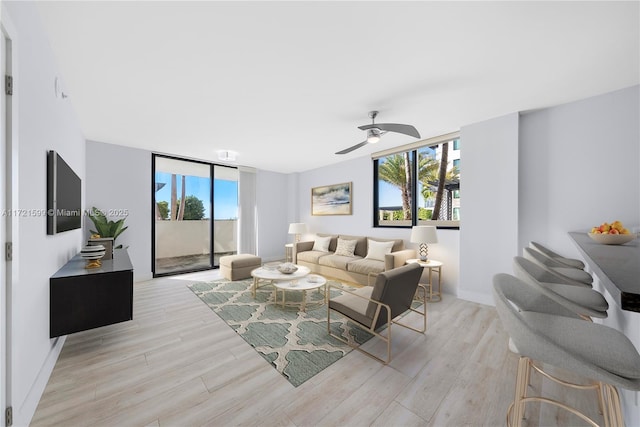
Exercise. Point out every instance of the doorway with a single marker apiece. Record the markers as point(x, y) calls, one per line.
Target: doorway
point(7, 126)
point(195, 214)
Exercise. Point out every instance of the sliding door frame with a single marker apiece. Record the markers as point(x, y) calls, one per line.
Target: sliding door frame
point(153, 213)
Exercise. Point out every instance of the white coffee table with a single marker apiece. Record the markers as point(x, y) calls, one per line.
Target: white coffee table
point(272, 275)
point(303, 285)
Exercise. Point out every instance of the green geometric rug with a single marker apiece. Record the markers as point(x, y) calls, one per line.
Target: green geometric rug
point(295, 343)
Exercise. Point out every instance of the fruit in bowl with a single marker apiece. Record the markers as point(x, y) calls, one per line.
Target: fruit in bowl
point(614, 233)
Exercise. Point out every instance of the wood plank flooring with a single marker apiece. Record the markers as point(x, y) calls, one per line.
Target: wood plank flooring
point(178, 364)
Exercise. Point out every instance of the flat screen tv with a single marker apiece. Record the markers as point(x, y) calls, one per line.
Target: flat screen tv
point(64, 196)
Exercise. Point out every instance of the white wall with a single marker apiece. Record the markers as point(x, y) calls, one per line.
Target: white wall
point(539, 175)
point(119, 178)
point(44, 123)
point(129, 188)
point(359, 171)
point(579, 168)
point(272, 199)
point(489, 194)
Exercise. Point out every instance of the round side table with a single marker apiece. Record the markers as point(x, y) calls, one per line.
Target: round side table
point(432, 265)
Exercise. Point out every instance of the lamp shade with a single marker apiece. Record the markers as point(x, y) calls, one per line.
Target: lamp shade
point(424, 234)
point(297, 228)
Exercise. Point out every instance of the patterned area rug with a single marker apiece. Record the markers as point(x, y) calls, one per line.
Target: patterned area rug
point(295, 343)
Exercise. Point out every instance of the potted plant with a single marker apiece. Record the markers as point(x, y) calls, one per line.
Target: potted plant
point(106, 229)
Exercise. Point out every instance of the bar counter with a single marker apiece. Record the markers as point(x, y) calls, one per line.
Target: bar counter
point(617, 267)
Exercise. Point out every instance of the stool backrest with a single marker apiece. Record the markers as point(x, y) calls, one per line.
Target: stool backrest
point(571, 344)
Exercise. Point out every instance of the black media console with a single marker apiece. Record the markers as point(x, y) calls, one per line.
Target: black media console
point(82, 299)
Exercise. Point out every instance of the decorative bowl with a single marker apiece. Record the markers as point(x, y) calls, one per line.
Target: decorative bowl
point(271, 266)
point(313, 278)
point(287, 268)
point(612, 239)
point(93, 252)
point(93, 255)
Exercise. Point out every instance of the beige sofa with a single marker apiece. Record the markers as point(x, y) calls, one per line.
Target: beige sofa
point(357, 269)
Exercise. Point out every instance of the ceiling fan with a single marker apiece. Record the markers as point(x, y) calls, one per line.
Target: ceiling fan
point(376, 130)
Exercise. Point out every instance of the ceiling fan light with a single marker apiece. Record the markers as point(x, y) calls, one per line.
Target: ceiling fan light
point(373, 136)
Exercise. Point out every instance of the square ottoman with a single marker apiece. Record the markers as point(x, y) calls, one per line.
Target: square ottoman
point(238, 267)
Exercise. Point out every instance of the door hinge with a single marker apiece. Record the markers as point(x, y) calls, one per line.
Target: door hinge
point(8, 416)
point(8, 85)
point(8, 251)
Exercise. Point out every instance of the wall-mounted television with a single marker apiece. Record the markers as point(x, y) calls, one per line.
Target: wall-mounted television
point(64, 196)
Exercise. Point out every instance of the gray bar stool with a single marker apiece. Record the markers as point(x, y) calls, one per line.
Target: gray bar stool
point(574, 345)
point(583, 301)
point(568, 275)
point(568, 262)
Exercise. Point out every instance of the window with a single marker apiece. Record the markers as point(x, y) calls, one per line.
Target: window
point(395, 189)
point(407, 188)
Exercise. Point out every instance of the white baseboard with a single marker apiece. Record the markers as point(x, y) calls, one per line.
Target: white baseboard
point(142, 277)
point(24, 413)
point(480, 298)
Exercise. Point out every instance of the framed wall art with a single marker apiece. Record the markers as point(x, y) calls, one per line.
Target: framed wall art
point(331, 199)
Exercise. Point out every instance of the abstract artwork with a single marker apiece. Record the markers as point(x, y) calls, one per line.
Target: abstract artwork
point(331, 199)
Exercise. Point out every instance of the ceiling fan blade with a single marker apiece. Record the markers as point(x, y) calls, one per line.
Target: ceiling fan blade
point(393, 127)
point(355, 147)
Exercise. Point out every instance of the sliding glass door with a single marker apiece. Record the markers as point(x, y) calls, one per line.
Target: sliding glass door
point(195, 214)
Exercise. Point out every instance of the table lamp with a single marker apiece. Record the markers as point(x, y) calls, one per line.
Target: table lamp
point(297, 228)
point(424, 234)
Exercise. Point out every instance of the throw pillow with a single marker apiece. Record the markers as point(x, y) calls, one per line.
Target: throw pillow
point(346, 247)
point(322, 244)
point(377, 250)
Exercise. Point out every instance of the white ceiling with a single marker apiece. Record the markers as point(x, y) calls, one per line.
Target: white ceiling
point(285, 84)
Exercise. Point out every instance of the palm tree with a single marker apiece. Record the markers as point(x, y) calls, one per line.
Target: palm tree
point(427, 174)
point(174, 197)
point(182, 201)
point(177, 212)
point(430, 179)
point(442, 176)
point(396, 171)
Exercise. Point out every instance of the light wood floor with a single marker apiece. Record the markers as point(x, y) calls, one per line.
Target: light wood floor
point(178, 364)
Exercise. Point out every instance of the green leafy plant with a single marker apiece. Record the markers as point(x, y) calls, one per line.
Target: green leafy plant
point(106, 227)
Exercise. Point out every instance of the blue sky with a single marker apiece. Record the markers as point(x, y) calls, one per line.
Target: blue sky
point(225, 193)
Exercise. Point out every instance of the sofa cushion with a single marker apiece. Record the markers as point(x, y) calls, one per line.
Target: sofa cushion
point(337, 261)
point(366, 266)
point(377, 250)
point(346, 247)
point(322, 244)
point(398, 244)
point(361, 246)
point(311, 256)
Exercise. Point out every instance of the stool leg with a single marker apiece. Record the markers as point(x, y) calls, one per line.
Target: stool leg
point(601, 403)
point(526, 383)
point(614, 411)
point(518, 406)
